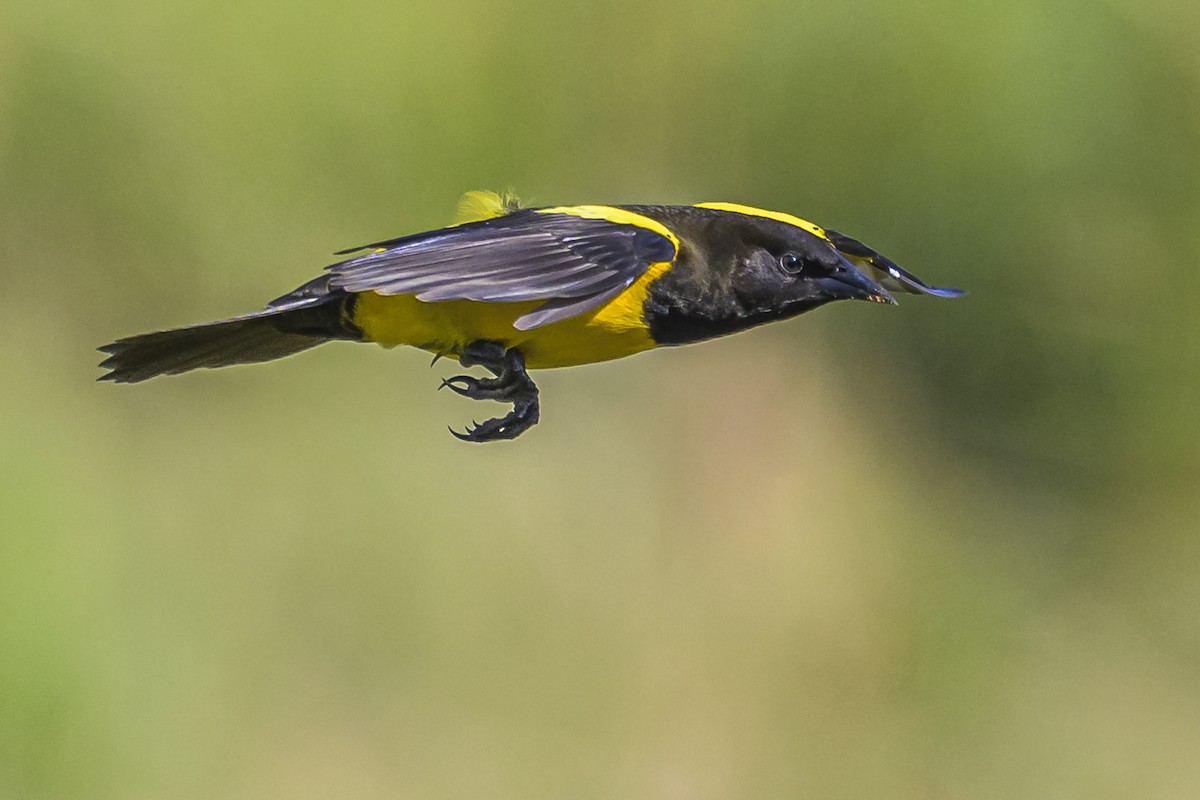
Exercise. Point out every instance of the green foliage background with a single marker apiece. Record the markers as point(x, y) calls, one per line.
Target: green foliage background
point(945, 550)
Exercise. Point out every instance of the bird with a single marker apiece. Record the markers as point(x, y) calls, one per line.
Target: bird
point(512, 288)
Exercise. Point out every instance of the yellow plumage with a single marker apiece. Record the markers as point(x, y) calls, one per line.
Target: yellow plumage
point(481, 204)
point(613, 330)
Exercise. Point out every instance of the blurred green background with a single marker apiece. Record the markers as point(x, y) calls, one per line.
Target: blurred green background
point(945, 550)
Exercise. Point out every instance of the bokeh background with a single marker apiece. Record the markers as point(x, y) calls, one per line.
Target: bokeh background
point(945, 550)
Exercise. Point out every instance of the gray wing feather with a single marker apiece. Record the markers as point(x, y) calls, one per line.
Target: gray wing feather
point(554, 310)
point(573, 263)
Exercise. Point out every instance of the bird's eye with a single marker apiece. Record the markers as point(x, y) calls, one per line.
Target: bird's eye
point(791, 263)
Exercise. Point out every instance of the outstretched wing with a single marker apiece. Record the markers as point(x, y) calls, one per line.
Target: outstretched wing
point(574, 258)
point(884, 270)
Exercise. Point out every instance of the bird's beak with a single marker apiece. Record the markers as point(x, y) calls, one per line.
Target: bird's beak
point(848, 282)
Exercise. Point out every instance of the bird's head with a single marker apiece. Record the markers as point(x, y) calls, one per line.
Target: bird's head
point(780, 270)
point(739, 267)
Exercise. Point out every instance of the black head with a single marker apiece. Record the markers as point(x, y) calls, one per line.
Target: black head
point(738, 270)
point(780, 270)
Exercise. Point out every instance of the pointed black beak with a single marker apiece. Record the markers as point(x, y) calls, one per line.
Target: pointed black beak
point(848, 282)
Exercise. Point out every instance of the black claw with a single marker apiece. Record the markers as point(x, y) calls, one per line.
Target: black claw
point(469, 387)
point(512, 384)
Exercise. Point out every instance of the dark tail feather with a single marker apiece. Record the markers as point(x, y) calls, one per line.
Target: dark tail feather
point(262, 336)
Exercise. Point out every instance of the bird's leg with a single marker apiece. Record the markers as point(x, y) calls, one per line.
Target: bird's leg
point(512, 384)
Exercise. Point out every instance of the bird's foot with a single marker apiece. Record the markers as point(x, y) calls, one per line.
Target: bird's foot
point(523, 417)
point(512, 384)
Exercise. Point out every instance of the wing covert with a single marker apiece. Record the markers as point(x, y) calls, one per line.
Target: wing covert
point(572, 262)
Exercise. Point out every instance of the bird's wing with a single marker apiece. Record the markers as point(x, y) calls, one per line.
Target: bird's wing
point(884, 270)
point(573, 257)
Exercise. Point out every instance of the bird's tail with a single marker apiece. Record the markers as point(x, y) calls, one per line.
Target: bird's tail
point(284, 328)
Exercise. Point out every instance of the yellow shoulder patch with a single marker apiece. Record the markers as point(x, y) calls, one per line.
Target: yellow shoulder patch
point(778, 216)
point(481, 204)
point(620, 216)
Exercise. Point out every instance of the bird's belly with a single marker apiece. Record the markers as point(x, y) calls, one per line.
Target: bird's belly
point(613, 330)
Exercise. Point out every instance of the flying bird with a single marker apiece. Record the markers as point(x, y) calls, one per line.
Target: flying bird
point(509, 289)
